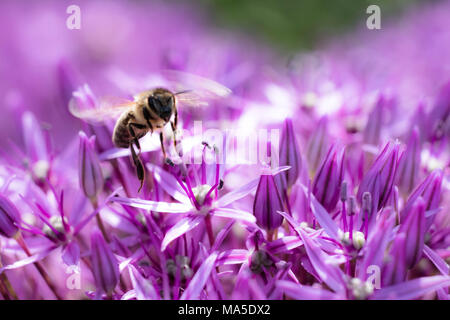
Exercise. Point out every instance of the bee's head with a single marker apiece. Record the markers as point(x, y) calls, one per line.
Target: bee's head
point(162, 103)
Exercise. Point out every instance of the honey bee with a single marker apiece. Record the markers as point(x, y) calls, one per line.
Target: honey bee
point(150, 111)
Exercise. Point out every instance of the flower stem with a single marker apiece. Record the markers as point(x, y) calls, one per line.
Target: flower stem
point(5, 286)
point(209, 229)
point(99, 220)
point(344, 216)
point(41, 270)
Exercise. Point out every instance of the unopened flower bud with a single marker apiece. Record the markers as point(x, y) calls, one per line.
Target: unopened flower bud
point(429, 190)
point(90, 173)
point(8, 217)
point(409, 164)
point(267, 203)
point(328, 180)
point(290, 153)
point(414, 228)
point(380, 178)
point(104, 264)
point(317, 145)
point(374, 122)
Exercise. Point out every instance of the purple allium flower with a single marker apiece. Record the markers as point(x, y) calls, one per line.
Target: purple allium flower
point(218, 224)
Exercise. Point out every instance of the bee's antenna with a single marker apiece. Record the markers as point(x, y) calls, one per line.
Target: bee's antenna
point(181, 92)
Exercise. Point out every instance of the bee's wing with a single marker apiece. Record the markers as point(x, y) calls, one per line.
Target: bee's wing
point(193, 90)
point(106, 109)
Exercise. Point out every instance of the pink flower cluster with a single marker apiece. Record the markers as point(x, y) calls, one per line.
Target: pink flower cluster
point(352, 201)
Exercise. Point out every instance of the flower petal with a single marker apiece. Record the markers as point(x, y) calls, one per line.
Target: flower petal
point(197, 283)
point(299, 292)
point(180, 228)
point(71, 253)
point(412, 289)
point(142, 287)
point(168, 183)
point(233, 256)
point(440, 263)
point(238, 193)
point(284, 244)
point(330, 274)
point(28, 260)
point(156, 206)
point(235, 214)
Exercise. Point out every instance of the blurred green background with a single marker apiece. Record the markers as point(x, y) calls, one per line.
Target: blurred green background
point(290, 25)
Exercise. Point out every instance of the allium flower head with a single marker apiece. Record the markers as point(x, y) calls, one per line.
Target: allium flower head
point(357, 207)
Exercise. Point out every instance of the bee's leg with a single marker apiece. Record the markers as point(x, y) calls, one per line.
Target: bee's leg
point(174, 124)
point(166, 159)
point(140, 172)
point(174, 131)
point(132, 125)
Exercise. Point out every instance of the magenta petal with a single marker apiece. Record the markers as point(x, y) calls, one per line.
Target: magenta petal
point(222, 235)
point(197, 283)
point(169, 183)
point(374, 250)
point(154, 205)
point(71, 253)
point(330, 274)
point(440, 263)
point(29, 260)
point(233, 256)
point(235, 214)
point(412, 289)
point(299, 292)
point(238, 193)
point(284, 244)
point(180, 228)
point(323, 217)
point(142, 287)
point(245, 190)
